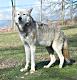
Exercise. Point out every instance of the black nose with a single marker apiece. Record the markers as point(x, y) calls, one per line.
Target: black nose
point(20, 18)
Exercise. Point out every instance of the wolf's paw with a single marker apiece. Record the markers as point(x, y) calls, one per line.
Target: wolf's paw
point(23, 69)
point(32, 71)
point(60, 66)
point(46, 66)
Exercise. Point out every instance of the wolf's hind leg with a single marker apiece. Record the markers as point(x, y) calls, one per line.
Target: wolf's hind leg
point(52, 57)
point(58, 49)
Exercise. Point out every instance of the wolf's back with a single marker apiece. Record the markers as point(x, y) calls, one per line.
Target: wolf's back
point(45, 34)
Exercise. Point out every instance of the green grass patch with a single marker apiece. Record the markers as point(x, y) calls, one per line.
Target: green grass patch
point(12, 59)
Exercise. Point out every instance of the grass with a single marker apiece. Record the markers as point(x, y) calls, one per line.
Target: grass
point(12, 59)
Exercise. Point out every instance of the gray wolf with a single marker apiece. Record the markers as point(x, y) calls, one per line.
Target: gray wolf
point(33, 33)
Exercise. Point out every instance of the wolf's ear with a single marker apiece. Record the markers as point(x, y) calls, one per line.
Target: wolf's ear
point(30, 10)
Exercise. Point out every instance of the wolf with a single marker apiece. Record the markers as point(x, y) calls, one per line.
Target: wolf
point(33, 33)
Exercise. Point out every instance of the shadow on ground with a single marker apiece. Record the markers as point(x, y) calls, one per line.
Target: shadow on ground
point(41, 64)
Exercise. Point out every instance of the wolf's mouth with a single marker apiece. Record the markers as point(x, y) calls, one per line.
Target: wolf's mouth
point(20, 22)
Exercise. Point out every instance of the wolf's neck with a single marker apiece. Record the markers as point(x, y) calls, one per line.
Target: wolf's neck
point(27, 28)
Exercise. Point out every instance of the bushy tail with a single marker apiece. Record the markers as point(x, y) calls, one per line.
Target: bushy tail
point(66, 52)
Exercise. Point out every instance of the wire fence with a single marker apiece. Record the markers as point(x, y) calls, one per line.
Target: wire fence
point(51, 11)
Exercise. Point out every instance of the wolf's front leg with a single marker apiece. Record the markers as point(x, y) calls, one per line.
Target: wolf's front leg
point(27, 52)
point(32, 47)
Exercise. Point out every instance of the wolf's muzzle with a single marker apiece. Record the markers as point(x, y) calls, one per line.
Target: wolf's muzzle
point(20, 18)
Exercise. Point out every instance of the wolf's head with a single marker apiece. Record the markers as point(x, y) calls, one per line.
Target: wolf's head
point(23, 17)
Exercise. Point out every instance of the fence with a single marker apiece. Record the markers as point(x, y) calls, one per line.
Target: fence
point(64, 12)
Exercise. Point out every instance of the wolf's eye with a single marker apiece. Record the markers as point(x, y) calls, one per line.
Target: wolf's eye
point(23, 14)
point(18, 14)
